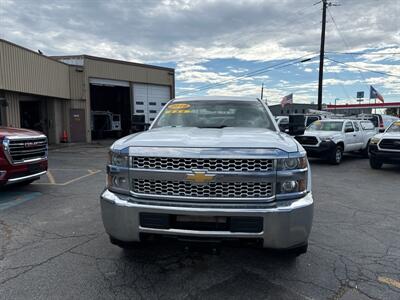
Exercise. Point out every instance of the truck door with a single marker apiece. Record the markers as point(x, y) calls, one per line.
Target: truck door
point(359, 138)
point(350, 137)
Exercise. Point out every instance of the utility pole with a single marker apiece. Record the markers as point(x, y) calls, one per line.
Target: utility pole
point(321, 54)
point(262, 91)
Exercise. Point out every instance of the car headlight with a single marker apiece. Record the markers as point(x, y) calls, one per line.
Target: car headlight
point(118, 182)
point(326, 139)
point(374, 140)
point(118, 172)
point(118, 160)
point(292, 175)
point(292, 163)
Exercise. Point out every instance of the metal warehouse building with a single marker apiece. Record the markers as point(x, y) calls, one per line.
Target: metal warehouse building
point(60, 94)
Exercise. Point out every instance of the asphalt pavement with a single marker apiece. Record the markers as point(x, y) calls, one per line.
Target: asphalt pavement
point(53, 245)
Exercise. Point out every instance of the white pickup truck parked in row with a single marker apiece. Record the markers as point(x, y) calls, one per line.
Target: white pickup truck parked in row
point(329, 139)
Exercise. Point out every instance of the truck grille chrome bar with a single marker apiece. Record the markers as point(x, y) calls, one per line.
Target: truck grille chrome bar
point(26, 150)
point(212, 190)
point(217, 165)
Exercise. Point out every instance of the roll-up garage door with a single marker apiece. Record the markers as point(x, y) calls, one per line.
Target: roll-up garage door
point(148, 99)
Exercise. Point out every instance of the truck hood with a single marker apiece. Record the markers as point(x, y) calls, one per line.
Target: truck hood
point(389, 135)
point(322, 133)
point(209, 138)
point(19, 132)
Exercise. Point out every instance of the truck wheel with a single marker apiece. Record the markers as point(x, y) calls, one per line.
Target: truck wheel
point(375, 163)
point(364, 152)
point(336, 155)
point(124, 245)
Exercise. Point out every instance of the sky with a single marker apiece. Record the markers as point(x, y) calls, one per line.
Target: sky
point(226, 47)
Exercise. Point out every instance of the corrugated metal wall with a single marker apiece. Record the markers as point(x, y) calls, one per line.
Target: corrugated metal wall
point(25, 71)
point(128, 72)
point(77, 82)
point(12, 110)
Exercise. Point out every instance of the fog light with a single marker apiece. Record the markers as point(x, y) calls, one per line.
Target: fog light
point(119, 181)
point(289, 186)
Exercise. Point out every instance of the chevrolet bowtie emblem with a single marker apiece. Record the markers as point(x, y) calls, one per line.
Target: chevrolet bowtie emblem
point(199, 177)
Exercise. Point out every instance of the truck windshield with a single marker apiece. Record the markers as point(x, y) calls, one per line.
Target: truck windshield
point(325, 126)
point(395, 127)
point(215, 114)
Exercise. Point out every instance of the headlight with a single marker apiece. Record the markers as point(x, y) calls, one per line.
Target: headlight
point(118, 172)
point(118, 160)
point(118, 182)
point(292, 175)
point(292, 163)
point(325, 139)
point(292, 186)
point(374, 140)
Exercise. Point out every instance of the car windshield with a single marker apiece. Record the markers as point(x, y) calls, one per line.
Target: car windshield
point(325, 126)
point(395, 127)
point(215, 114)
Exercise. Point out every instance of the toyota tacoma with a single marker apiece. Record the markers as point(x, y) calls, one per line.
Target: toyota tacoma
point(330, 138)
point(385, 147)
point(210, 168)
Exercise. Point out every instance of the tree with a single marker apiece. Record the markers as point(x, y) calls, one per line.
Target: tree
point(391, 111)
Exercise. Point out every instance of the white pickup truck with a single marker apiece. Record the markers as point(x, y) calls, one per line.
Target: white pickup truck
point(210, 168)
point(329, 139)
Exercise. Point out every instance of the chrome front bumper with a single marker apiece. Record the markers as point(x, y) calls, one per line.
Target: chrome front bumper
point(284, 226)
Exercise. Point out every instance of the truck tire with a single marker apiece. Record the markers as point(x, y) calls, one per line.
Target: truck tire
point(124, 245)
point(336, 155)
point(364, 152)
point(375, 163)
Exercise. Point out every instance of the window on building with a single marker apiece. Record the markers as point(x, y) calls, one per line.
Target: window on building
point(295, 111)
point(281, 111)
point(288, 111)
point(304, 111)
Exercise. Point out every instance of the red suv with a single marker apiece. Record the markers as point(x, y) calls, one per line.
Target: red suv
point(23, 155)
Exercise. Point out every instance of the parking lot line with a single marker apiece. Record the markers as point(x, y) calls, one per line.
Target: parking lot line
point(53, 182)
point(50, 177)
point(389, 281)
point(81, 177)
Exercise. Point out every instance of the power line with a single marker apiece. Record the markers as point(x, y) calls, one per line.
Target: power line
point(253, 73)
point(362, 68)
point(346, 44)
point(363, 53)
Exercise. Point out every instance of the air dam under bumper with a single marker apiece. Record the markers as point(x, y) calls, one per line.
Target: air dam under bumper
point(283, 226)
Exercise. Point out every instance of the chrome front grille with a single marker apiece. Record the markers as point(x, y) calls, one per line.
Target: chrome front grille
point(25, 150)
point(210, 190)
point(189, 164)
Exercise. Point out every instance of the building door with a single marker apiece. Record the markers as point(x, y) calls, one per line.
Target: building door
point(77, 125)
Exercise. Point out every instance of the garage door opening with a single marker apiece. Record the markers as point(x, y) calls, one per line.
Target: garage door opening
point(110, 111)
point(32, 115)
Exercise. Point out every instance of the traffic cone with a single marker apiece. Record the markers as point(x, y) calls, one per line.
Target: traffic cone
point(64, 138)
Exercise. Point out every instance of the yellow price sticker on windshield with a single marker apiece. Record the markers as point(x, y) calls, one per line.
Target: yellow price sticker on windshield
point(397, 123)
point(176, 111)
point(178, 106)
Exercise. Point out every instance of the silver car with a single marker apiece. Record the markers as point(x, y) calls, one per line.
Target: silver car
point(210, 168)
